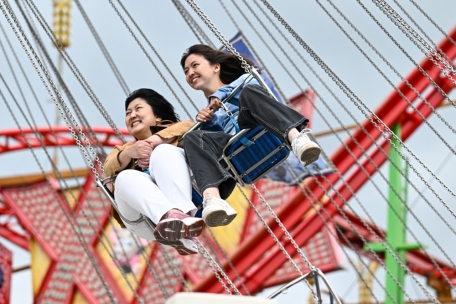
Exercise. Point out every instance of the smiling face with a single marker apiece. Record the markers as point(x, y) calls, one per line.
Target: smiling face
point(139, 117)
point(200, 74)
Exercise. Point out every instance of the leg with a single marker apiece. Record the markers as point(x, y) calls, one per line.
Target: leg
point(257, 107)
point(169, 170)
point(203, 150)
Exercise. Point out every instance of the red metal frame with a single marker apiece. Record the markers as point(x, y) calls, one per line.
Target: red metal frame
point(392, 110)
point(249, 259)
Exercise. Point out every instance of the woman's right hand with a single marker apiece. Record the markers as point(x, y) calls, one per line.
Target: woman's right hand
point(206, 114)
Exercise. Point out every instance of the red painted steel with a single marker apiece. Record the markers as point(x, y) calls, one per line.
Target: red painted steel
point(250, 252)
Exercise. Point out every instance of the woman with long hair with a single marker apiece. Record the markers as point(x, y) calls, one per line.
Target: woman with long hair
point(216, 74)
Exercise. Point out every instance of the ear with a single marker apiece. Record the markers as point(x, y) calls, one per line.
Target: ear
point(216, 67)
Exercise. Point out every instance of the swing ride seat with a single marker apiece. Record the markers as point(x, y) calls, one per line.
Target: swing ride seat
point(252, 153)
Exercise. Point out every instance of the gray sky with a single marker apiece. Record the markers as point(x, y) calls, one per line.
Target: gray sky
point(170, 36)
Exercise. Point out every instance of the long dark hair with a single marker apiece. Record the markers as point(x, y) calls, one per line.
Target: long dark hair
point(230, 66)
point(160, 106)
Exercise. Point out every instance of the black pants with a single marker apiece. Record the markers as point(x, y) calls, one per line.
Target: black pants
point(256, 107)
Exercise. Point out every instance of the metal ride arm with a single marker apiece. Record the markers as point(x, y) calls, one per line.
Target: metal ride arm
point(392, 110)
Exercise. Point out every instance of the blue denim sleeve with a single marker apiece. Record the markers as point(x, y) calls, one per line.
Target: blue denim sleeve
point(211, 125)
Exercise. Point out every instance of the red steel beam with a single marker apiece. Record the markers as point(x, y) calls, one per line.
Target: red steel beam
point(251, 251)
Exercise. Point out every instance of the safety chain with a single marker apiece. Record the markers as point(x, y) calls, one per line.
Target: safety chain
point(216, 269)
point(336, 237)
point(56, 102)
point(409, 85)
point(78, 234)
point(75, 71)
point(398, 260)
point(279, 244)
point(103, 49)
point(433, 22)
point(407, 55)
point(196, 29)
point(352, 96)
point(175, 270)
point(393, 86)
point(60, 179)
point(247, 68)
point(150, 58)
point(355, 141)
point(361, 149)
point(227, 259)
point(255, 54)
point(442, 53)
point(407, 30)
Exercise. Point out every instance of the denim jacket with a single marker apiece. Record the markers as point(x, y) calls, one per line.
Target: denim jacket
point(221, 121)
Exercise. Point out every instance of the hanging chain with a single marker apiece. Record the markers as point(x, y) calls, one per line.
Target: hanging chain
point(352, 96)
point(407, 30)
point(247, 68)
point(56, 102)
point(279, 244)
point(216, 269)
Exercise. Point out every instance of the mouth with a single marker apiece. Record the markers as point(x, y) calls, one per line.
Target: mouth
point(195, 80)
point(135, 123)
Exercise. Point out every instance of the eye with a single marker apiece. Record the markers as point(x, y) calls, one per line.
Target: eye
point(128, 113)
point(185, 71)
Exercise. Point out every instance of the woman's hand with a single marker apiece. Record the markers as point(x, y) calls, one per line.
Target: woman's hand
point(204, 115)
point(141, 150)
point(214, 104)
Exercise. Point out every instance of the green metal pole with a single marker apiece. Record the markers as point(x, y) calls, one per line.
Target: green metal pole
point(396, 230)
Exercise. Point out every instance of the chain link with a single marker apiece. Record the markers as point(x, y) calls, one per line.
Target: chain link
point(407, 30)
point(74, 69)
point(352, 96)
point(216, 269)
point(279, 244)
point(247, 68)
point(56, 102)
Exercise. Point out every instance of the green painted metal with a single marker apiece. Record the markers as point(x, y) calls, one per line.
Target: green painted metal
point(396, 231)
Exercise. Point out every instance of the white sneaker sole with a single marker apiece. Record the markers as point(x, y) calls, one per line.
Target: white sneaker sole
point(217, 217)
point(310, 153)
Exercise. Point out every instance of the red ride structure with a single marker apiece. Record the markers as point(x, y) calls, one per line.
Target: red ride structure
point(249, 259)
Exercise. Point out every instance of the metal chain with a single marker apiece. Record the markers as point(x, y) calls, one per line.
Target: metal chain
point(150, 58)
point(42, 50)
point(216, 269)
point(361, 149)
point(56, 102)
point(74, 69)
point(433, 22)
point(225, 256)
point(435, 45)
point(279, 244)
point(336, 237)
point(60, 179)
point(391, 67)
point(247, 68)
point(352, 96)
point(175, 270)
point(196, 29)
point(387, 248)
point(255, 54)
point(395, 88)
point(407, 30)
point(79, 234)
point(103, 49)
point(407, 55)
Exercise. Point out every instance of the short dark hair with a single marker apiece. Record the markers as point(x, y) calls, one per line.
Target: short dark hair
point(230, 66)
point(161, 107)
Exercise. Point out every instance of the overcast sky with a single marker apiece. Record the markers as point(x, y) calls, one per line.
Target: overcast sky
point(170, 36)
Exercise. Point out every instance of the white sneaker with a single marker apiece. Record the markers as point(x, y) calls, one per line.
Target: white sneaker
point(217, 212)
point(305, 149)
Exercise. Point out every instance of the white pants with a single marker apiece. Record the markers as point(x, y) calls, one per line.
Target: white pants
point(167, 187)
